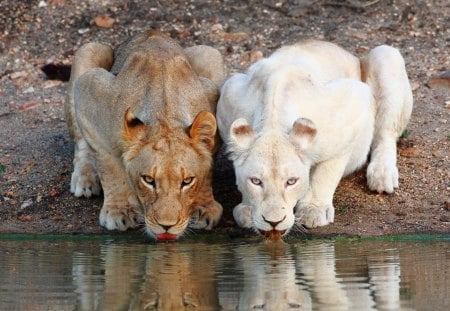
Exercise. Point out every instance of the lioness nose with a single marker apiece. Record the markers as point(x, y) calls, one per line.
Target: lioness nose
point(166, 227)
point(273, 223)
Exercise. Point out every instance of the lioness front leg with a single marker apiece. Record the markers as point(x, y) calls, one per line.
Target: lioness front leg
point(121, 209)
point(206, 216)
point(316, 208)
point(383, 69)
point(207, 210)
point(85, 181)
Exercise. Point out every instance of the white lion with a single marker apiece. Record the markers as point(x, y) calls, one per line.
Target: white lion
point(300, 120)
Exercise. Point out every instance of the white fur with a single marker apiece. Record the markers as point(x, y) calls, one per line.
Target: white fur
point(304, 114)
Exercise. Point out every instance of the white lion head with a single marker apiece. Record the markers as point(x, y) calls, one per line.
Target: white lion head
point(271, 173)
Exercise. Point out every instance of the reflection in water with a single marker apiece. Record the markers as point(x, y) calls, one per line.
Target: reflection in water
point(241, 275)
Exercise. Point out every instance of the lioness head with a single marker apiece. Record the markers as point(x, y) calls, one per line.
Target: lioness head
point(271, 173)
point(168, 169)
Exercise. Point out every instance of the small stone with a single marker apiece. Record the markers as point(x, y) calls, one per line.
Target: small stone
point(444, 218)
point(255, 56)
point(409, 152)
point(104, 21)
point(26, 204)
point(18, 74)
point(415, 86)
point(216, 28)
point(25, 218)
point(442, 81)
point(29, 90)
point(83, 30)
point(447, 205)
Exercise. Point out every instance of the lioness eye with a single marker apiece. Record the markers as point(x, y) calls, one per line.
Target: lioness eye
point(187, 181)
point(148, 180)
point(291, 181)
point(256, 181)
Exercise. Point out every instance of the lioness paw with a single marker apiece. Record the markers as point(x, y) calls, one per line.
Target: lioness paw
point(206, 217)
point(119, 218)
point(85, 181)
point(315, 216)
point(242, 214)
point(382, 176)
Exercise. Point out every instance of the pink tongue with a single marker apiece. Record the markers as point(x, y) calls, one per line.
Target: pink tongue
point(166, 237)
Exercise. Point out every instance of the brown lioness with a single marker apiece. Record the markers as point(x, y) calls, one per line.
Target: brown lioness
point(143, 125)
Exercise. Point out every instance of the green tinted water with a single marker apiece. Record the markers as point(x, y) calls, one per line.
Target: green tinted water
point(110, 273)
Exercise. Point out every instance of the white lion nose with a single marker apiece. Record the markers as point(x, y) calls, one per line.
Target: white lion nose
point(273, 223)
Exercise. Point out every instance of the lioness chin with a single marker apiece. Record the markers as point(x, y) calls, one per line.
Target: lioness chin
point(300, 120)
point(143, 125)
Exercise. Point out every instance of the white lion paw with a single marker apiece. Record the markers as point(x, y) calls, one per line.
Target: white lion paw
point(85, 181)
point(242, 214)
point(119, 218)
point(206, 217)
point(315, 216)
point(382, 176)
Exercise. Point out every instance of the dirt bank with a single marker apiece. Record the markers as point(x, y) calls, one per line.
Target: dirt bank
point(36, 151)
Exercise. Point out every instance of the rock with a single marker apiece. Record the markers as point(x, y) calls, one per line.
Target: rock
point(26, 204)
point(409, 152)
point(447, 205)
point(216, 28)
point(25, 218)
point(440, 82)
point(255, 56)
point(83, 30)
point(28, 105)
point(104, 21)
point(444, 218)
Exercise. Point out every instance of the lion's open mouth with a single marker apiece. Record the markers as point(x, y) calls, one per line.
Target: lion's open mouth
point(273, 234)
point(166, 237)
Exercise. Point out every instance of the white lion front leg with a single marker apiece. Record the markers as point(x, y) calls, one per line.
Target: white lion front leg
point(383, 69)
point(316, 208)
point(242, 214)
point(85, 181)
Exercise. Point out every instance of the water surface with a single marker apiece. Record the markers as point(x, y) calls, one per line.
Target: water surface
point(114, 273)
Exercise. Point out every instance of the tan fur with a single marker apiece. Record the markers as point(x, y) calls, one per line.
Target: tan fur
point(150, 119)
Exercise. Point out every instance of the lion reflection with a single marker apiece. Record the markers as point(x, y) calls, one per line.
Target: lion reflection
point(268, 276)
point(148, 277)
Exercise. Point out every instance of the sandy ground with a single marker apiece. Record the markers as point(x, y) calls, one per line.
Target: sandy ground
point(36, 151)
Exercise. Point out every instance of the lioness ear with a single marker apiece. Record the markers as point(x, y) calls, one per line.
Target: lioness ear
point(302, 133)
point(241, 135)
point(133, 128)
point(203, 129)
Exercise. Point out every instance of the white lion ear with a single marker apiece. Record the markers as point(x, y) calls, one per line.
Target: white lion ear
point(303, 133)
point(241, 135)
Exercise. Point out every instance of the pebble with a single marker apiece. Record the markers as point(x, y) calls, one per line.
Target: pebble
point(26, 203)
point(217, 28)
point(83, 30)
point(29, 90)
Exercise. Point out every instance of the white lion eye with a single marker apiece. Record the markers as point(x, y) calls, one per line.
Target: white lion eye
point(148, 180)
point(291, 181)
point(256, 181)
